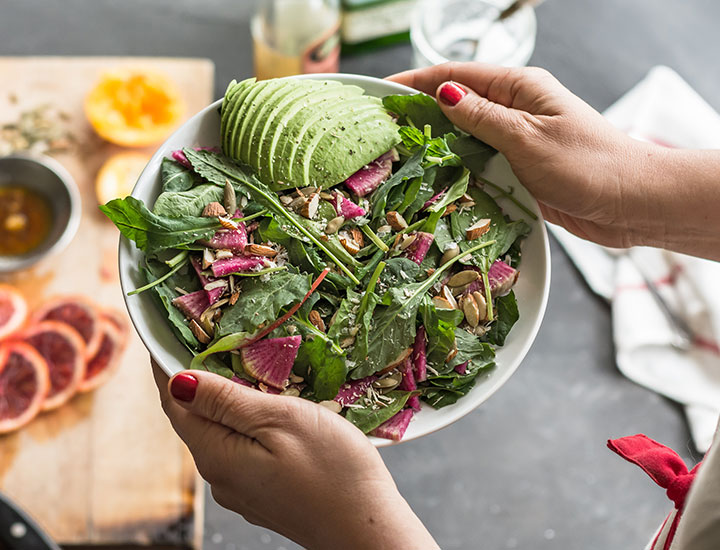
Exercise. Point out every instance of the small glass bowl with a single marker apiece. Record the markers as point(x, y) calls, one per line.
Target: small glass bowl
point(468, 30)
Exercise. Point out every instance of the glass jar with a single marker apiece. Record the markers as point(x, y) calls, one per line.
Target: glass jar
point(296, 37)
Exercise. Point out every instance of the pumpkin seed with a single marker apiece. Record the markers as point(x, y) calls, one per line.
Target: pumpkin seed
point(471, 311)
point(463, 278)
point(333, 406)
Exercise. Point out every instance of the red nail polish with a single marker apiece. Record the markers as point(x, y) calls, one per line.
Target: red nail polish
point(451, 93)
point(183, 387)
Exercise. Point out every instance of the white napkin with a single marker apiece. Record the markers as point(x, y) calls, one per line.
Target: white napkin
point(663, 109)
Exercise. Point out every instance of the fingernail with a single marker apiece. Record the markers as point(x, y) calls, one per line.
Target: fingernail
point(451, 93)
point(183, 387)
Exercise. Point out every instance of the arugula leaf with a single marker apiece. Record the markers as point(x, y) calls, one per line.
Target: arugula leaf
point(411, 169)
point(175, 177)
point(418, 110)
point(153, 233)
point(261, 301)
point(176, 204)
point(473, 153)
point(368, 418)
point(326, 370)
point(507, 316)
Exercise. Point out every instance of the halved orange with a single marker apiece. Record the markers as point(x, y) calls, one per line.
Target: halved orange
point(134, 107)
point(118, 175)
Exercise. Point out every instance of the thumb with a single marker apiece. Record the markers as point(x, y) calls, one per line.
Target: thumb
point(220, 400)
point(493, 123)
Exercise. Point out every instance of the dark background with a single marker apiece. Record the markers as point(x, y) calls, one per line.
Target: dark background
point(529, 469)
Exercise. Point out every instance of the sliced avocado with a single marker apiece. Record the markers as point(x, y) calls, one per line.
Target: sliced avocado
point(276, 106)
point(289, 123)
point(247, 107)
point(267, 101)
point(348, 147)
point(233, 107)
point(335, 118)
point(229, 102)
point(226, 98)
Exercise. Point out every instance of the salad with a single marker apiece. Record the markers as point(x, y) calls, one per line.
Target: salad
point(337, 247)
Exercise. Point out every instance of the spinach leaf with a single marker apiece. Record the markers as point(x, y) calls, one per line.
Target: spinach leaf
point(456, 191)
point(369, 418)
point(217, 366)
point(479, 354)
point(440, 332)
point(507, 316)
point(153, 233)
point(418, 110)
point(176, 204)
point(345, 316)
point(411, 169)
point(438, 398)
point(443, 236)
point(438, 151)
point(175, 177)
point(473, 153)
point(326, 370)
point(261, 301)
point(399, 271)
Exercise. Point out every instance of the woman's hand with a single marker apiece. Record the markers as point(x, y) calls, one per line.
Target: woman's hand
point(289, 465)
point(587, 176)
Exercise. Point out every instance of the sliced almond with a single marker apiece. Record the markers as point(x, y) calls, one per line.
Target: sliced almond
point(316, 320)
point(471, 310)
point(223, 254)
point(350, 245)
point(286, 200)
point(310, 206)
point(333, 406)
point(463, 278)
point(447, 294)
point(481, 303)
point(215, 284)
point(260, 250)
point(228, 224)
point(334, 225)
point(208, 258)
point(451, 251)
point(234, 297)
point(478, 229)
point(449, 209)
point(213, 210)
point(199, 333)
point(441, 303)
point(357, 236)
point(396, 221)
point(399, 360)
point(384, 230)
point(451, 354)
point(229, 198)
point(407, 240)
point(347, 342)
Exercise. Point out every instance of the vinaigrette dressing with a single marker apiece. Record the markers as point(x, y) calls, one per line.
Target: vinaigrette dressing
point(25, 220)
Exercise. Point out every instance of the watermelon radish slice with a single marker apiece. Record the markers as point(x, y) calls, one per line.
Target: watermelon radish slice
point(431, 200)
point(243, 382)
point(234, 239)
point(192, 305)
point(501, 276)
point(64, 352)
point(354, 390)
point(419, 355)
point(346, 208)
point(213, 294)
point(418, 249)
point(271, 360)
point(408, 376)
point(462, 368)
point(182, 159)
point(221, 268)
point(396, 427)
point(369, 177)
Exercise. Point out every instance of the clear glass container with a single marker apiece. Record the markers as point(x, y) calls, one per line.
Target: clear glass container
point(468, 30)
point(296, 37)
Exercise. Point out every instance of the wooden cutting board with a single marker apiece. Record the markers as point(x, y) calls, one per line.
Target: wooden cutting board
point(106, 468)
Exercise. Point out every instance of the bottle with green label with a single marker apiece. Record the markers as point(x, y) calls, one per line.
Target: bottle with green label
point(368, 24)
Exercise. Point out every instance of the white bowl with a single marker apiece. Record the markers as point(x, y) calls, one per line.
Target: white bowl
point(531, 290)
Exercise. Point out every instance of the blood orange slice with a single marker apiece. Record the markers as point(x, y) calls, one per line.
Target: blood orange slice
point(13, 310)
point(77, 312)
point(101, 366)
point(63, 349)
point(24, 383)
point(119, 319)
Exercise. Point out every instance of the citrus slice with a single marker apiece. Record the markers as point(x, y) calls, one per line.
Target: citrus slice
point(133, 107)
point(118, 175)
point(13, 310)
point(63, 349)
point(24, 383)
point(105, 361)
point(77, 312)
point(119, 319)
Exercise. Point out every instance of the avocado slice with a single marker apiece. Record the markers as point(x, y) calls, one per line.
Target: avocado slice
point(340, 114)
point(233, 107)
point(290, 123)
point(350, 145)
point(229, 92)
point(248, 106)
point(276, 107)
point(261, 116)
point(229, 104)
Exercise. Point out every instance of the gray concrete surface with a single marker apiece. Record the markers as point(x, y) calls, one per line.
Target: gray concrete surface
point(529, 469)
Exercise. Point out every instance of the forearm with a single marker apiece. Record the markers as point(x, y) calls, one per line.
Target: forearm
point(678, 203)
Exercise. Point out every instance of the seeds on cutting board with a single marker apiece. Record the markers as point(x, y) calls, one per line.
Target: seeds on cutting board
point(213, 210)
point(334, 224)
point(317, 320)
point(463, 278)
point(396, 221)
point(471, 310)
point(260, 250)
point(310, 207)
point(477, 230)
point(333, 406)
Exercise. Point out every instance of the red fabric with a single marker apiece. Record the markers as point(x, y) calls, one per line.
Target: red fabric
point(664, 466)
